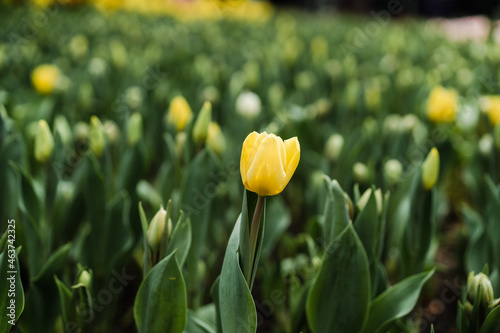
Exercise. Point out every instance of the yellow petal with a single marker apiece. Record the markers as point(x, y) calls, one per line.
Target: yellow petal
point(255, 148)
point(266, 175)
point(292, 147)
point(246, 150)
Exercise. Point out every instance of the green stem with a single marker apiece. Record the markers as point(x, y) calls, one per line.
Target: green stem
point(254, 231)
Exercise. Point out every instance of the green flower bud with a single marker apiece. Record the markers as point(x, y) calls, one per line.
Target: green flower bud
point(361, 172)
point(392, 171)
point(216, 140)
point(81, 131)
point(61, 126)
point(361, 204)
point(155, 230)
point(430, 169)
point(112, 131)
point(44, 142)
point(479, 281)
point(334, 146)
point(200, 129)
point(134, 129)
point(485, 145)
point(96, 136)
point(84, 280)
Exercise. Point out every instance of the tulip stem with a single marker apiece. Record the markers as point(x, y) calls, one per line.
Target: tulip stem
point(254, 231)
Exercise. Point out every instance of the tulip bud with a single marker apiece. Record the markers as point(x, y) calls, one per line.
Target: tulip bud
point(485, 145)
point(334, 146)
point(155, 230)
point(44, 142)
point(134, 129)
point(134, 97)
point(430, 169)
point(84, 280)
point(112, 131)
point(96, 136)
point(248, 105)
point(361, 204)
point(215, 139)
point(61, 126)
point(200, 129)
point(179, 113)
point(45, 77)
point(392, 171)
point(361, 172)
point(180, 141)
point(81, 131)
point(474, 282)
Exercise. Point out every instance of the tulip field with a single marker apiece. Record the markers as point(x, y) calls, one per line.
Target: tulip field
point(215, 166)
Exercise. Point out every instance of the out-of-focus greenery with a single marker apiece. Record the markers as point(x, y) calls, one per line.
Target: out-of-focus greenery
point(98, 112)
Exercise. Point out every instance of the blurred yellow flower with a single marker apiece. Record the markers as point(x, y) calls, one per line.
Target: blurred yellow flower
point(267, 163)
point(430, 169)
point(44, 78)
point(215, 139)
point(442, 105)
point(493, 109)
point(179, 113)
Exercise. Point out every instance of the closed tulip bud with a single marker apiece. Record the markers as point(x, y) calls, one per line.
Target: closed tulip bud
point(96, 136)
point(179, 113)
point(112, 131)
point(44, 142)
point(361, 204)
point(61, 127)
point(334, 146)
point(134, 129)
point(479, 281)
point(180, 141)
point(361, 172)
point(155, 230)
point(215, 139)
point(200, 129)
point(267, 162)
point(392, 171)
point(430, 169)
point(485, 145)
point(45, 77)
point(81, 131)
point(248, 105)
point(85, 279)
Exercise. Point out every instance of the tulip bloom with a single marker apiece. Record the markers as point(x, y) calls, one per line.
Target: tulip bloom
point(267, 163)
point(179, 113)
point(44, 78)
point(442, 105)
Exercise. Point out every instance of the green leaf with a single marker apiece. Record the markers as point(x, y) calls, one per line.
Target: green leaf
point(477, 252)
point(237, 308)
point(340, 294)
point(395, 302)
point(195, 324)
point(244, 240)
point(55, 263)
point(279, 214)
point(181, 240)
point(492, 321)
point(336, 215)
point(147, 264)
point(161, 302)
point(66, 298)
point(7, 258)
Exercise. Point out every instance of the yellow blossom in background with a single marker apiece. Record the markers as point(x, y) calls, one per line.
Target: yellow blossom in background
point(215, 139)
point(44, 78)
point(267, 162)
point(442, 105)
point(492, 107)
point(179, 113)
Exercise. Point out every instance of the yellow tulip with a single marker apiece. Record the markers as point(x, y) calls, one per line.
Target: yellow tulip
point(442, 105)
point(430, 169)
point(215, 138)
point(267, 163)
point(179, 113)
point(493, 109)
point(44, 78)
